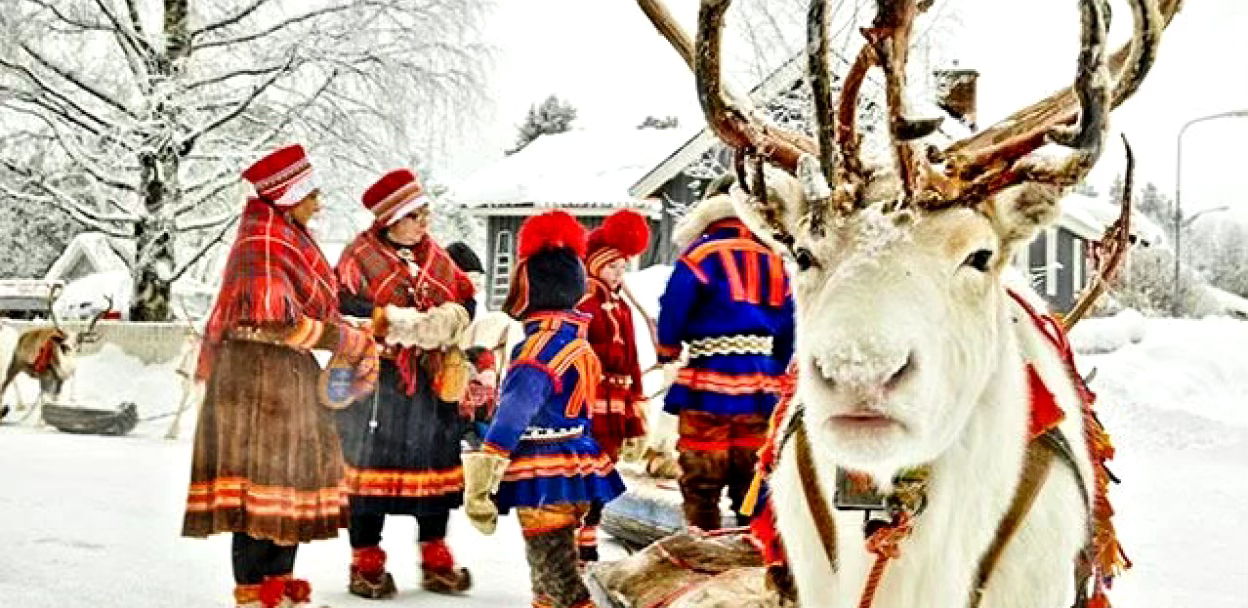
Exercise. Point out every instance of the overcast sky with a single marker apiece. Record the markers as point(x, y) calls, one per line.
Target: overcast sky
point(605, 58)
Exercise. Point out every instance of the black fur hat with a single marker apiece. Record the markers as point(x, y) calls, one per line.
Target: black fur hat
point(464, 257)
point(556, 280)
point(549, 274)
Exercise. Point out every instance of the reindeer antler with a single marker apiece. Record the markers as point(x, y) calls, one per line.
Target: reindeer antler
point(990, 160)
point(90, 331)
point(54, 294)
point(1115, 243)
point(974, 168)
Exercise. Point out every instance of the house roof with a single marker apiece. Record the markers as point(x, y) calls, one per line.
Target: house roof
point(102, 252)
point(1089, 216)
point(580, 169)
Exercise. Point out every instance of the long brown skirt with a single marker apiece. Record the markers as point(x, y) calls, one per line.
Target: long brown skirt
point(267, 459)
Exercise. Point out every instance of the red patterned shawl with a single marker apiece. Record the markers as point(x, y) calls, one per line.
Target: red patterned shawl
point(371, 268)
point(275, 274)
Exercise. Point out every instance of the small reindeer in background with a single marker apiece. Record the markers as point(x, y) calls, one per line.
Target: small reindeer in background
point(47, 354)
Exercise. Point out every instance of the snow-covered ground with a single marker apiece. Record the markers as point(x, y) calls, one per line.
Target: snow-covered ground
point(93, 521)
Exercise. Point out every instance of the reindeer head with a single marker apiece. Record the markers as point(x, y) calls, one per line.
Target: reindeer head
point(51, 353)
point(899, 264)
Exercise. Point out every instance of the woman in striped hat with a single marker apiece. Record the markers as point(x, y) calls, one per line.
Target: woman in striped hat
point(267, 464)
point(402, 442)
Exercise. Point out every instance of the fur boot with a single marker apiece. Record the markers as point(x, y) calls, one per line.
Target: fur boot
point(438, 569)
point(552, 562)
point(247, 596)
point(273, 593)
point(369, 578)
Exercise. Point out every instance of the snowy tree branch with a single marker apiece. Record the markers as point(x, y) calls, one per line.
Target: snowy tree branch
point(206, 223)
point(140, 45)
point(51, 92)
point(188, 143)
point(70, 21)
point(218, 238)
point(230, 20)
point(281, 25)
point(78, 157)
point(68, 207)
point(76, 81)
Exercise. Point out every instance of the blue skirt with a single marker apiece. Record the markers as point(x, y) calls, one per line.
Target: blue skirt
point(558, 472)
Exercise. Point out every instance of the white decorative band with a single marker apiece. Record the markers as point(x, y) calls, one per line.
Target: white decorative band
point(731, 345)
point(407, 208)
point(543, 434)
point(297, 191)
point(289, 173)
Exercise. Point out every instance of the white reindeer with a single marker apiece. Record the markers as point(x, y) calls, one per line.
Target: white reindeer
point(911, 351)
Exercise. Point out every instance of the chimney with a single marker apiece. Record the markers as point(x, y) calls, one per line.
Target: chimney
point(955, 92)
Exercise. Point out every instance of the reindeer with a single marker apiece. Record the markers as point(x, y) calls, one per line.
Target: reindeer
point(917, 361)
point(48, 354)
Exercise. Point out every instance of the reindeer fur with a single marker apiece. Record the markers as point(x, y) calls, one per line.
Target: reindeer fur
point(872, 304)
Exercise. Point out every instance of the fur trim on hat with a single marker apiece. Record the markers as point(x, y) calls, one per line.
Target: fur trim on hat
point(625, 231)
point(551, 230)
point(556, 279)
point(702, 215)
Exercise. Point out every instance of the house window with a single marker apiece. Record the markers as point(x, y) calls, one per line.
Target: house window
point(1050, 262)
point(503, 253)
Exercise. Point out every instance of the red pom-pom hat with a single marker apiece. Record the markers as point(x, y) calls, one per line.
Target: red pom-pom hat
point(283, 178)
point(624, 234)
point(551, 230)
point(394, 196)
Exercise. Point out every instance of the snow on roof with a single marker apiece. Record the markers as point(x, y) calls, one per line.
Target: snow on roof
point(586, 169)
point(1089, 216)
point(102, 252)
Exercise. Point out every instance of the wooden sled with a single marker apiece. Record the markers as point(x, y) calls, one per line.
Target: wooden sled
point(649, 510)
point(82, 420)
point(690, 569)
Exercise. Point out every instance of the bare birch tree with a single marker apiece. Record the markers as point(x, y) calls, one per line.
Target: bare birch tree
point(155, 104)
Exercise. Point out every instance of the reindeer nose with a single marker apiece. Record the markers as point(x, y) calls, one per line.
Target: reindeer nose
point(874, 374)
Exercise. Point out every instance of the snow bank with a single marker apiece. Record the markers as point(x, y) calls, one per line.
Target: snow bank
point(1108, 334)
point(1183, 375)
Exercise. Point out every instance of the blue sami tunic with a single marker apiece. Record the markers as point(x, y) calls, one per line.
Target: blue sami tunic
point(727, 285)
point(542, 423)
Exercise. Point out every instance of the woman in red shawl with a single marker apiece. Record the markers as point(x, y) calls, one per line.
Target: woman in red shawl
point(402, 441)
point(619, 410)
point(267, 464)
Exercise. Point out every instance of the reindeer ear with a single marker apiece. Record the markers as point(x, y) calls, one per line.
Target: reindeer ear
point(783, 189)
point(1019, 212)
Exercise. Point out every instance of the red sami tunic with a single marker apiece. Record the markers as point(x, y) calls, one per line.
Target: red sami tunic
point(619, 411)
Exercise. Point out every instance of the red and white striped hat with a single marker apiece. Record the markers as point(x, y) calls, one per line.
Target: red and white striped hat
point(283, 178)
point(395, 195)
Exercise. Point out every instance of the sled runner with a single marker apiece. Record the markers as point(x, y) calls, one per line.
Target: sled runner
point(84, 420)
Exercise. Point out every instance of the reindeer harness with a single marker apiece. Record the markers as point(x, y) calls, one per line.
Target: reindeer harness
point(908, 498)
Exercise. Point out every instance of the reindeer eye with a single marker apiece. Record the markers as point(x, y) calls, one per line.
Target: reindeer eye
point(979, 260)
point(804, 258)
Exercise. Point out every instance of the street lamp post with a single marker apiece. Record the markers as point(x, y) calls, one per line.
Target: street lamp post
point(1178, 200)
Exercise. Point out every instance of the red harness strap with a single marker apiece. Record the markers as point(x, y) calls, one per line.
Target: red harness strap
point(1105, 554)
point(43, 360)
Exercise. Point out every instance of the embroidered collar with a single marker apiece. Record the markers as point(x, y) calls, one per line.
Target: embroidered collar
point(557, 320)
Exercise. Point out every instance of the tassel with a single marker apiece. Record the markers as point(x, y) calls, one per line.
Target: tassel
point(751, 497)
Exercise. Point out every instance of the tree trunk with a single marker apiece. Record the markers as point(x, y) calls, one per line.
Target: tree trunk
point(154, 260)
